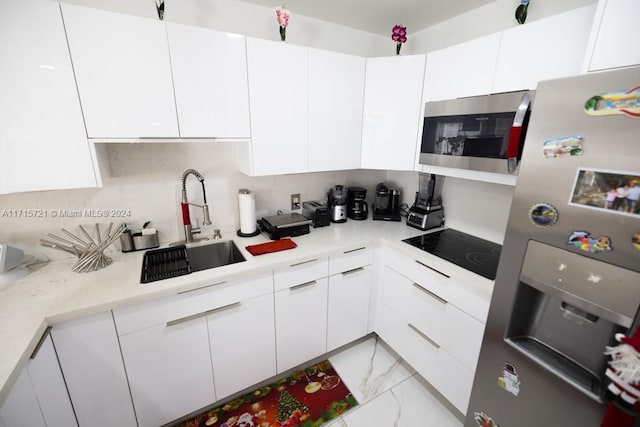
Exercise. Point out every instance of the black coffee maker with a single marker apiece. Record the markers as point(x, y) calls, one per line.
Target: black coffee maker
point(387, 204)
point(357, 207)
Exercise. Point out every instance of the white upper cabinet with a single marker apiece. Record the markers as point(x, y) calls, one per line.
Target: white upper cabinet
point(336, 96)
point(123, 73)
point(614, 37)
point(392, 105)
point(541, 50)
point(466, 69)
point(278, 101)
point(210, 82)
point(43, 143)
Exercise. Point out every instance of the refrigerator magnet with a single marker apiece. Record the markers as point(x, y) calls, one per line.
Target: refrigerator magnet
point(625, 102)
point(543, 214)
point(635, 241)
point(562, 147)
point(583, 241)
point(509, 379)
point(484, 420)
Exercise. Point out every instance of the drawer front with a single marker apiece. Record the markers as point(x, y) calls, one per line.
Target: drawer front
point(301, 272)
point(454, 330)
point(350, 259)
point(190, 303)
point(445, 373)
point(435, 281)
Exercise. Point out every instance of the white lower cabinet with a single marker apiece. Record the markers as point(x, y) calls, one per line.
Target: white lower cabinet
point(49, 386)
point(349, 295)
point(243, 345)
point(169, 370)
point(40, 395)
point(91, 363)
point(421, 315)
point(301, 323)
point(20, 408)
point(187, 351)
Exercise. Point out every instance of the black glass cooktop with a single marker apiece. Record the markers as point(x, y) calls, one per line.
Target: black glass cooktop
point(477, 255)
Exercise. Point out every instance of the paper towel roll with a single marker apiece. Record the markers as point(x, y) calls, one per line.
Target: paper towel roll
point(247, 208)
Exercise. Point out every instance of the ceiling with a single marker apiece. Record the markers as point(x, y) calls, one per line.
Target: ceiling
point(378, 16)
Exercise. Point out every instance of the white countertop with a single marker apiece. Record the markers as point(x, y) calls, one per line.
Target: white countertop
point(55, 294)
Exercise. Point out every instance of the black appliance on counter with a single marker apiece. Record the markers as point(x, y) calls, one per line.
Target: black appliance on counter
point(386, 206)
point(472, 253)
point(317, 212)
point(357, 207)
point(285, 225)
point(337, 202)
point(427, 211)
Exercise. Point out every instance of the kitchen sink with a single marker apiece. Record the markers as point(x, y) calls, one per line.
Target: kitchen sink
point(159, 264)
point(213, 255)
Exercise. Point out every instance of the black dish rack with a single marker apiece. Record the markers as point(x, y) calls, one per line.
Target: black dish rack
point(165, 263)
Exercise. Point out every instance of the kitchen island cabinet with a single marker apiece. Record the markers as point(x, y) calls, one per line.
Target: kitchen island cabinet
point(43, 143)
point(92, 367)
point(209, 70)
point(123, 73)
point(392, 106)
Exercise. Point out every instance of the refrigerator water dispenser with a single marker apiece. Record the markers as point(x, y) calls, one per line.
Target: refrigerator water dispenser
point(567, 309)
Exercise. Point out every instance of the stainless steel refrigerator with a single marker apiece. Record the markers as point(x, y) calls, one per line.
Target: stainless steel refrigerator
point(569, 274)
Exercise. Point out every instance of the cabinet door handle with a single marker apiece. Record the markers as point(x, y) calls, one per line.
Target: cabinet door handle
point(432, 269)
point(39, 345)
point(303, 285)
point(431, 294)
point(354, 250)
point(355, 270)
point(201, 314)
point(303, 262)
point(426, 338)
point(202, 287)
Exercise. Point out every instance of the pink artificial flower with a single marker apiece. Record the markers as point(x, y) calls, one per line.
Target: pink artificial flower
point(282, 16)
point(399, 34)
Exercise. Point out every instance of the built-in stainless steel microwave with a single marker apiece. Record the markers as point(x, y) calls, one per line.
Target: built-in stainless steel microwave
point(484, 133)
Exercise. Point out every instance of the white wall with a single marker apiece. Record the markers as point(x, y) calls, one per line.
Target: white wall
point(491, 18)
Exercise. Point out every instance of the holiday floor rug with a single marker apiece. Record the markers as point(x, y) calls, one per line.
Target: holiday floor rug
point(306, 398)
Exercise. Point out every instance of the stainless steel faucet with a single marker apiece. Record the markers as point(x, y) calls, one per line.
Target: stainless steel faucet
point(189, 230)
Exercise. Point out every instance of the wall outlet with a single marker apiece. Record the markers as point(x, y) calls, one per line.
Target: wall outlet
point(295, 202)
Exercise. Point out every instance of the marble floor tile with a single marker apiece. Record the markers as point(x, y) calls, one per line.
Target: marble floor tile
point(369, 368)
point(408, 404)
